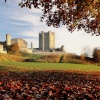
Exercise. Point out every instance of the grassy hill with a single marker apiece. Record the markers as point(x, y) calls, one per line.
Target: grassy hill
point(23, 57)
point(19, 63)
point(9, 57)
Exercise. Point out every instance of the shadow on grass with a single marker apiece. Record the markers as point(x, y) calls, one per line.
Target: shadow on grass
point(3, 68)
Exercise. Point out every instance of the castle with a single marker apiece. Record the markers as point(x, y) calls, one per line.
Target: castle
point(21, 43)
point(46, 44)
point(46, 41)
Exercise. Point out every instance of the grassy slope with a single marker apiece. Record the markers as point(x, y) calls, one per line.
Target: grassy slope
point(31, 56)
point(7, 62)
point(23, 66)
point(9, 57)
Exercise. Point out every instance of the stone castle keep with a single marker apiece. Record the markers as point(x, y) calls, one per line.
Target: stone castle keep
point(47, 40)
point(46, 43)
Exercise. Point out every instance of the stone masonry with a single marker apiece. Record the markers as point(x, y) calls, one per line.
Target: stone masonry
point(46, 41)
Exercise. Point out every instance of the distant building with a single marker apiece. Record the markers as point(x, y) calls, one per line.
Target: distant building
point(46, 44)
point(21, 43)
point(8, 39)
point(46, 41)
point(2, 49)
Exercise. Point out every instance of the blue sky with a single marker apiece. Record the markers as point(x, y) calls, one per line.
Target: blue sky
point(25, 23)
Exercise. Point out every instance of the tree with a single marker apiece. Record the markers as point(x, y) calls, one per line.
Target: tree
point(75, 14)
point(96, 55)
point(87, 52)
point(14, 49)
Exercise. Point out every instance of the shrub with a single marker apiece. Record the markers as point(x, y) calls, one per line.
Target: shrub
point(67, 58)
point(82, 57)
point(70, 58)
point(13, 49)
point(49, 58)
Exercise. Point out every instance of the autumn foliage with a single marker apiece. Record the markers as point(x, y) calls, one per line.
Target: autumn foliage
point(13, 49)
point(96, 55)
point(75, 14)
point(49, 85)
point(66, 58)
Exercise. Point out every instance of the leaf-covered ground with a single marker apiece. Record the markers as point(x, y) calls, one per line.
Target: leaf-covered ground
point(49, 85)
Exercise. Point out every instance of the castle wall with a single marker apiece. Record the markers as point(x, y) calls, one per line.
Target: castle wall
point(13, 41)
point(49, 53)
point(29, 50)
point(1, 49)
point(21, 43)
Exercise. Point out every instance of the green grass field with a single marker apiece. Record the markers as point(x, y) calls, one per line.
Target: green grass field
point(30, 66)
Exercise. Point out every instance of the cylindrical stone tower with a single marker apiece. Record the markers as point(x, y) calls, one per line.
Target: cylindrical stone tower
point(8, 39)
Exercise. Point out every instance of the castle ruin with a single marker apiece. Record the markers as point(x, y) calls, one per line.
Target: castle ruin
point(8, 39)
point(2, 50)
point(21, 43)
point(46, 41)
point(46, 44)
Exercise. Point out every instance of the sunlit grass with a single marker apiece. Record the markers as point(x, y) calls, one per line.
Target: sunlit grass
point(30, 66)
